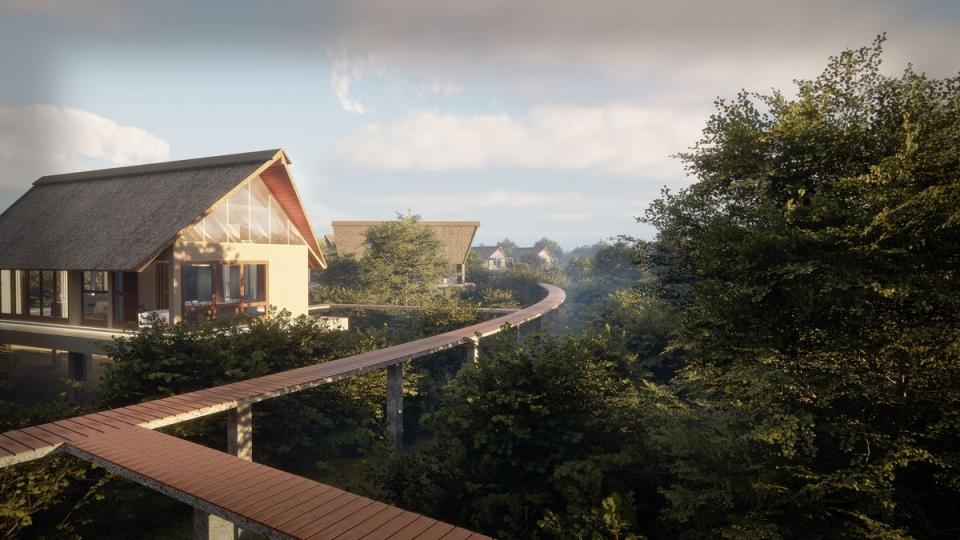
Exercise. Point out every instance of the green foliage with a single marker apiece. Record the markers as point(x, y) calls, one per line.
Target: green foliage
point(530, 441)
point(334, 420)
point(403, 262)
point(551, 245)
point(158, 361)
point(508, 246)
point(814, 265)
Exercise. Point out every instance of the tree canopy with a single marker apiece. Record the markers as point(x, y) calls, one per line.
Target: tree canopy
point(815, 266)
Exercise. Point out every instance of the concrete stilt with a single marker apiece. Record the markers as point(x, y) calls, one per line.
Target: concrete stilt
point(473, 350)
point(80, 366)
point(54, 359)
point(240, 432)
point(239, 443)
point(395, 405)
point(209, 527)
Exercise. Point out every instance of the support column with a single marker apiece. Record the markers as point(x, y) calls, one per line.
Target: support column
point(473, 350)
point(54, 359)
point(209, 527)
point(395, 405)
point(239, 443)
point(80, 366)
point(240, 432)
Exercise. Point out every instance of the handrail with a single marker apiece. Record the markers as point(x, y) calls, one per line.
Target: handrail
point(37, 441)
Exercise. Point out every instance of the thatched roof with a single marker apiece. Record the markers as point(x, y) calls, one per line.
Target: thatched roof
point(520, 252)
point(122, 218)
point(455, 237)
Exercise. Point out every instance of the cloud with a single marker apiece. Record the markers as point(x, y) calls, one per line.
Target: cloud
point(441, 87)
point(498, 198)
point(45, 139)
point(342, 74)
point(615, 139)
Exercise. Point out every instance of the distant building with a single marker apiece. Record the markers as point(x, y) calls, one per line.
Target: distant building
point(185, 240)
point(494, 256)
point(455, 239)
point(532, 253)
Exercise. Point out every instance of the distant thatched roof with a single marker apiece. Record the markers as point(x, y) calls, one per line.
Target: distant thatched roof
point(485, 252)
point(118, 219)
point(521, 252)
point(455, 237)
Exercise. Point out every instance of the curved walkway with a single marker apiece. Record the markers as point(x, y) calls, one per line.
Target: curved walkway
point(251, 495)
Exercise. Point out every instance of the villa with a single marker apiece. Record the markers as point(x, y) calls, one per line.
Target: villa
point(494, 257)
point(182, 240)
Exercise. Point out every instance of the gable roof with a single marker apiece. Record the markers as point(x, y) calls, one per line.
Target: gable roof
point(122, 218)
point(486, 252)
point(455, 237)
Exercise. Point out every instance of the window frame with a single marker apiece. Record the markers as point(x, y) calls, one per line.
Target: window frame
point(218, 307)
point(24, 297)
point(107, 290)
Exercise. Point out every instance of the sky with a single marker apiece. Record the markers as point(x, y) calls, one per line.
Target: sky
point(537, 118)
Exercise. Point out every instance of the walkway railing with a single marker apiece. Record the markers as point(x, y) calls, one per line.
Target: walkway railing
point(229, 486)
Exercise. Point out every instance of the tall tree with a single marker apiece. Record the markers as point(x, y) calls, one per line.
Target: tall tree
point(403, 262)
point(508, 246)
point(551, 245)
point(815, 263)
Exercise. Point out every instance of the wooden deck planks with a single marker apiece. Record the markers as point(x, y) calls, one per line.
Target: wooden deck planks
point(263, 497)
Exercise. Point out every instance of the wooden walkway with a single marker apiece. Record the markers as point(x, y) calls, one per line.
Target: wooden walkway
point(108, 435)
point(253, 496)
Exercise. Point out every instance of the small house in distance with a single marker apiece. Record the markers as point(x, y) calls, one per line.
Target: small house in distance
point(455, 238)
point(494, 257)
point(532, 254)
point(209, 237)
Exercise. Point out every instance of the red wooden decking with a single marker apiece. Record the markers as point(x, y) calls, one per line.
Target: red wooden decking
point(255, 497)
point(114, 433)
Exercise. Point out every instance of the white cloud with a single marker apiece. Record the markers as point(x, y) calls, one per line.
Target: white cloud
point(45, 139)
point(438, 86)
point(616, 139)
point(499, 198)
point(343, 72)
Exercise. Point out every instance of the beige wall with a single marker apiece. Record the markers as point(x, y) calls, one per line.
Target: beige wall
point(288, 270)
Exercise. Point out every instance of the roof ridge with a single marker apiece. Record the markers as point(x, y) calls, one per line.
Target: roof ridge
point(162, 166)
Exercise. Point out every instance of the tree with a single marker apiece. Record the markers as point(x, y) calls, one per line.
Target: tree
point(403, 262)
point(551, 246)
point(508, 246)
point(814, 265)
point(533, 442)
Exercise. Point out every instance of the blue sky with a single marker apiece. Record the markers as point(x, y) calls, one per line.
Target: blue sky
point(540, 118)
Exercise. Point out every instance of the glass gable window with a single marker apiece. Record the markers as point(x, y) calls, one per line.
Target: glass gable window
point(250, 214)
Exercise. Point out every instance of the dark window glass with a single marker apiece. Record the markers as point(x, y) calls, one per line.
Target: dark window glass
point(254, 282)
point(49, 288)
point(198, 284)
point(34, 293)
point(96, 298)
point(231, 283)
